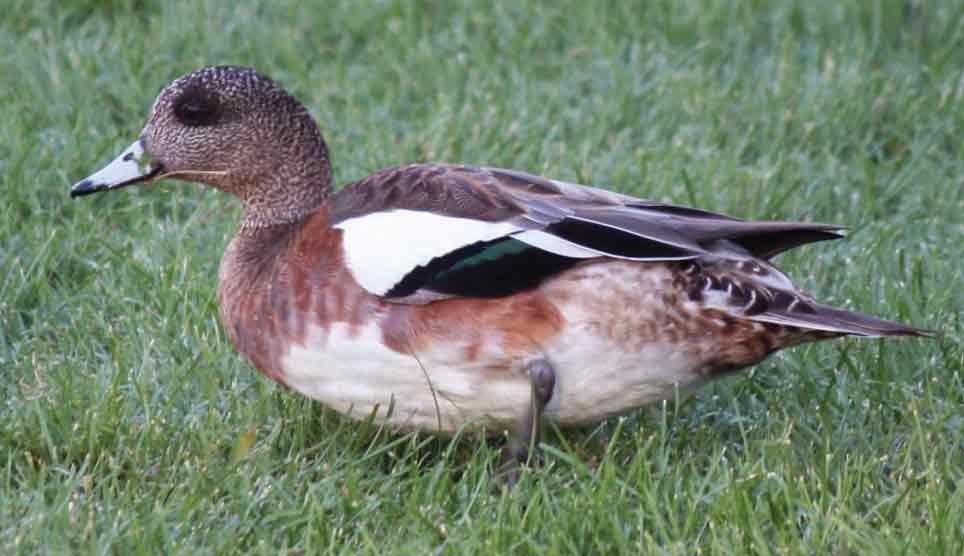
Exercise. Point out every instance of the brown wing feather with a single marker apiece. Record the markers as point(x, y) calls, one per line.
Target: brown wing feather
point(458, 191)
point(493, 194)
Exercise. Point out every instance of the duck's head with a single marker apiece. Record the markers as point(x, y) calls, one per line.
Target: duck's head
point(236, 130)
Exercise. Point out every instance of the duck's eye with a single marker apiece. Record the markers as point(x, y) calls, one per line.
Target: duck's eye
point(193, 108)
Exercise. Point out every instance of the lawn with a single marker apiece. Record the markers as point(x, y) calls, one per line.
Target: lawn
point(130, 425)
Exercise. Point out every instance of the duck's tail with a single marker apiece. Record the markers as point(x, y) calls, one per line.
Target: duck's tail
point(817, 316)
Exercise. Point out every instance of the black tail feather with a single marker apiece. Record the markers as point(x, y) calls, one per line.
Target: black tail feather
point(831, 319)
point(769, 245)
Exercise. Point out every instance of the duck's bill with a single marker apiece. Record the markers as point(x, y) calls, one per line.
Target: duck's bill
point(132, 166)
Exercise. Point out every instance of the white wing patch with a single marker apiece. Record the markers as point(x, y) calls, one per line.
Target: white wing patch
point(382, 247)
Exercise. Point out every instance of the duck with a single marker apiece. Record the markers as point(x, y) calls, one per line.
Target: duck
point(443, 297)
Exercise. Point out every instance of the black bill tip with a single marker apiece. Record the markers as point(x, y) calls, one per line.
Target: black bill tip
point(92, 185)
point(86, 187)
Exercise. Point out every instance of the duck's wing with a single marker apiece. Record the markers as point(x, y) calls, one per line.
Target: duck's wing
point(424, 232)
point(761, 239)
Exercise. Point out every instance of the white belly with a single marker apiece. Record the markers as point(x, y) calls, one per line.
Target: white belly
point(598, 378)
point(619, 350)
point(350, 371)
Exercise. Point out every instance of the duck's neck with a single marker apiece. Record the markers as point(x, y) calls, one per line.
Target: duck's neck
point(280, 207)
point(255, 250)
point(293, 183)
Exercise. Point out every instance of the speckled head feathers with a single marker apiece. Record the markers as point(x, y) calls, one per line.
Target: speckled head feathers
point(233, 128)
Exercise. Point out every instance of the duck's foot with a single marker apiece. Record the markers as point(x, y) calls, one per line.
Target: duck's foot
point(521, 443)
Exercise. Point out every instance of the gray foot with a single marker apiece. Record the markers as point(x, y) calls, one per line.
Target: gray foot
point(520, 445)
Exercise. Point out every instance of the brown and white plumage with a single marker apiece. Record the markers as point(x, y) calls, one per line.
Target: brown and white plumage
point(729, 257)
point(437, 296)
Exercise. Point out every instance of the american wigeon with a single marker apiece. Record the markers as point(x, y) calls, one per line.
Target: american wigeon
point(435, 296)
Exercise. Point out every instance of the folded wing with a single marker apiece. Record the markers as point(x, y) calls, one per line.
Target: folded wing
point(424, 232)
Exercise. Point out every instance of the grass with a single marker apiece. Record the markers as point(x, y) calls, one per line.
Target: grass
point(130, 426)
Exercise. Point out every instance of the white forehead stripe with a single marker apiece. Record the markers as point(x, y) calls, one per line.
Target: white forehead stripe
point(124, 168)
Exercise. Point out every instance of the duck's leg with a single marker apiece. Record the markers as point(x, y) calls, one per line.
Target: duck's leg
point(522, 440)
